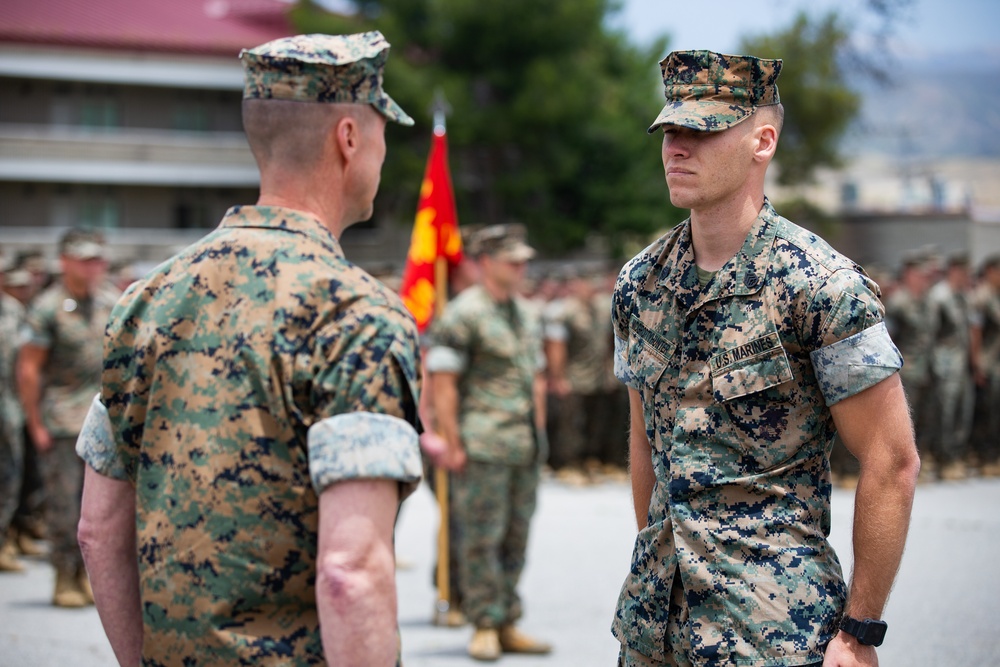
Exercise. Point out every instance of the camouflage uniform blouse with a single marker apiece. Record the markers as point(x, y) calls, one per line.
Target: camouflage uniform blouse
point(736, 380)
point(241, 378)
point(11, 417)
point(496, 352)
point(585, 329)
point(71, 330)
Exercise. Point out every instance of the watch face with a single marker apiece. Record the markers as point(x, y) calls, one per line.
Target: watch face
point(873, 632)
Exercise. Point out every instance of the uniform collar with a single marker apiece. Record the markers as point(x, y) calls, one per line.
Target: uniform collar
point(284, 219)
point(742, 275)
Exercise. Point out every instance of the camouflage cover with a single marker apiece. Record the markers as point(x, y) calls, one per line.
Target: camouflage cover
point(71, 330)
point(735, 380)
point(711, 91)
point(344, 69)
point(497, 362)
point(240, 379)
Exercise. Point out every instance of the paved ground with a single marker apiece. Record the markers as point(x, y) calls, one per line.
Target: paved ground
point(943, 613)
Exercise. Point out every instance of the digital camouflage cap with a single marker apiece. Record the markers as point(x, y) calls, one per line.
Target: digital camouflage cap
point(711, 92)
point(505, 242)
point(344, 69)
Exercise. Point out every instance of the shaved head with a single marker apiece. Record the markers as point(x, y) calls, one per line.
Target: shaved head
point(773, 114)
point(291, 135)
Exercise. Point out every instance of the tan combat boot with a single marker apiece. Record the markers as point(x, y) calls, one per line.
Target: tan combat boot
point(8, 559)
point(513, 640)
point(68, 593)
point(27, 545)
point(953, 472)
point(485, 644)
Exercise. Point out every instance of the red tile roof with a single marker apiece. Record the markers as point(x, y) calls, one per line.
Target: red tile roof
point(219, 27)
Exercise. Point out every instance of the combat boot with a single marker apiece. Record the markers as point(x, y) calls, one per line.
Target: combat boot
point(8, 559)
point(485, 645)
point(27, 545)
point(513, 640)
point(68, 593)
point(953, 472)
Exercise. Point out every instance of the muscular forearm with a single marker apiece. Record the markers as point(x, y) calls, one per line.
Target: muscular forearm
point(539, 399)
point(445, 396)
point(29, 386)
point(640, 461)
point(355, 577)
point(358, 611)
point(881, 520)
point(107, 541)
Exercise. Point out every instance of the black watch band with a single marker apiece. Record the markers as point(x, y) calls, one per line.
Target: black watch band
point(868, 632)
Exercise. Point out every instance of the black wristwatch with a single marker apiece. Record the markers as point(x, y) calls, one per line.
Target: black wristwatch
point(868, 632)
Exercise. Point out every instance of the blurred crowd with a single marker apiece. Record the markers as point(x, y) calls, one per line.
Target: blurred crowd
point(944, 315)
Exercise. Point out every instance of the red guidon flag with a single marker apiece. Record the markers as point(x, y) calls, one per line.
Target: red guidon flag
point(435, 235)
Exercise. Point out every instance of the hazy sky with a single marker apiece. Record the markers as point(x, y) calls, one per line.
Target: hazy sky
point(930, 27)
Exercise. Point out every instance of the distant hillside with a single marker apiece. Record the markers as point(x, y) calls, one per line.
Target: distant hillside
point(941, 108)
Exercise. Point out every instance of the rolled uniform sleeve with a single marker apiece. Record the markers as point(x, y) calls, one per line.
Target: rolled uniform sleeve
point(621, 314)
point(96, 444)
point(365, 395)
point(856, 351)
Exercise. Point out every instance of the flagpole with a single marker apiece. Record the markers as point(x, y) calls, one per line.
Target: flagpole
point(440, 474)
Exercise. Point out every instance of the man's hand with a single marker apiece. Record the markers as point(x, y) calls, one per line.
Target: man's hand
point(41, 438)
point(845, 651)
point(441, 454)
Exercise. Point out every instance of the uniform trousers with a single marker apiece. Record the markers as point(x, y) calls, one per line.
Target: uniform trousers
point(11, 475)
point(62, 471)
point(494, 503)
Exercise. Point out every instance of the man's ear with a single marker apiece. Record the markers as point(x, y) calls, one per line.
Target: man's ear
point(767, 142)
point(347, 136)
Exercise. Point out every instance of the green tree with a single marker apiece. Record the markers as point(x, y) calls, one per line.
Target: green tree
point(548, 114)
point(819, 103)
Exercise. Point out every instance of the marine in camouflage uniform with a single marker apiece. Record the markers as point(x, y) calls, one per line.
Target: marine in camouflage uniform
point(908, 321)
point(737, 372)
point(950, 317)
point(987, 306)
point(578, 343)
point(60, 362)
point(259, 401)
point(485, 361)
point(11, 427)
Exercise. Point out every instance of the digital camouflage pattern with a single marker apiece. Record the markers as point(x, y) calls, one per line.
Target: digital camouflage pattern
point(585, 327)
point(907, 317)
point(497, 353)
point(712, 92)
point(493, 504)
point(240, 379)
point(71, 330)
point(11, 417)
point(987, 303)
point(343, 69)
point(736, 379)
point(949, 318)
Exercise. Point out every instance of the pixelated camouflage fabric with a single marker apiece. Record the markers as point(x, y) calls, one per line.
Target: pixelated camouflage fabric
point(711, 92)
point(587, 329)
point(72, 331)
point(496, 404)
point(216, 366)
point(740, 437)
point(11, 318)
point(344, 69)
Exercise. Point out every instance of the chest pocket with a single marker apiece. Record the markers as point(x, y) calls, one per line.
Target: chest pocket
point(750, 368)
point(648, 353)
